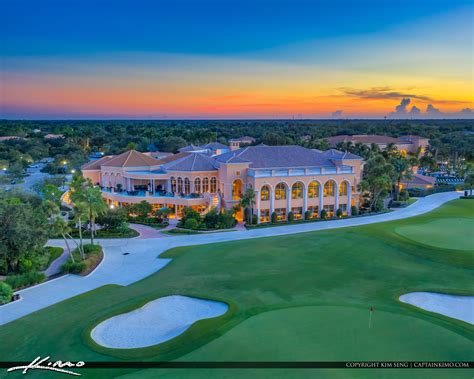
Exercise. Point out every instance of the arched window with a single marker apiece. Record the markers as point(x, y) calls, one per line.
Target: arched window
point(205, 185)
point(197, 185)
point(313, 190)
point(173, 184)
point(187, 186)
point(280, 191)
point(297, 191)
point(329, 188)
point(237, 189)
point(343, 188)
point(213, 184)
point(180, 185)
point(265, 193)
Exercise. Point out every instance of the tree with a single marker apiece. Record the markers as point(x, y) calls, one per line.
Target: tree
point(469, 181)
point(95, 206)
point(377, 179)
point(164, 213)
point(401, 170)
point(247, 201)
point(142, 209)
point(23, 230)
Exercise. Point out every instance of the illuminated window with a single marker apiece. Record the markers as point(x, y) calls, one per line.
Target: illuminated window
point(213, 184)
point(297, 191)
point(173, 184)
point(297, 213)
point(205, 185)
point(237, 189)
point(329, 188)
point(180, 185)
point(343, 189)
point(313, 212)
point(313, 190)
point(187, 186)
point(237, 173)
point(280, 191)
point(265, 215)
point(329, 210)
point(197, 185)
point(281, 214)
point(265, 193)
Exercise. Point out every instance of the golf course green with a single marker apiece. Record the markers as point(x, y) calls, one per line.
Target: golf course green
point(301, 297)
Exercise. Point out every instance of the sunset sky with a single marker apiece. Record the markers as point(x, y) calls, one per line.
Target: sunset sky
point(236, 59)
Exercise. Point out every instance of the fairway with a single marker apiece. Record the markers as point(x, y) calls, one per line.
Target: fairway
point(296, 297)
point(449, 233)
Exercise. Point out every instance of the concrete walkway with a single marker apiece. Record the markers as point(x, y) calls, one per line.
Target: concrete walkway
point(142, 261)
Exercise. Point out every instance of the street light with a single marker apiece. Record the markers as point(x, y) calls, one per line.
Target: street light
point(73, 171)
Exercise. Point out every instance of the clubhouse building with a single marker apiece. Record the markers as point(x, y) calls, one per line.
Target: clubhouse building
point(284, 178)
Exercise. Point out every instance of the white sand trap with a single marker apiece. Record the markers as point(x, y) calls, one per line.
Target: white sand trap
point(157, 321)
point(459, 307)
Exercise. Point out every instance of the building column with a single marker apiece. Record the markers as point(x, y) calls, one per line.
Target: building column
point(272, 202)
point(349, 198)
point(321, 199)
point(168, 185)
point(336, 199)
point(288, 202)
point(153, 188)
point(305, 200)
point(191, 186)
point(257, 195)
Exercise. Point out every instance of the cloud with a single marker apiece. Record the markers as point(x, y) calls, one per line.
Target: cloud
point(415, 111)
point(337, 114)
point(402, 107)
point(381, 93)
point(431, 112)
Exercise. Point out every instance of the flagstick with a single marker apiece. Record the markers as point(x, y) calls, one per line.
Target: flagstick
point(370, 318)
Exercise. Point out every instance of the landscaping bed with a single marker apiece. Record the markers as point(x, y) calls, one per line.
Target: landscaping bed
point(93, 257)
point(122, 233)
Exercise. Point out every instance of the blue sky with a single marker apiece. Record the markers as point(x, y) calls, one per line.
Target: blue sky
point(51, 47)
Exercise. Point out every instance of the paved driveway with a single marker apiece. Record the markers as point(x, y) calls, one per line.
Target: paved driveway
point(142, 261)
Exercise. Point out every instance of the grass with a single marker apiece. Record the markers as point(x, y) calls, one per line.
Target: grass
point(297, 297)
point(126, 233)
point(51, 254)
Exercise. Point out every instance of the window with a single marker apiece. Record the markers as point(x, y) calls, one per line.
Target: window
point(187, 186)
point(329, 210)
point(213, 184)
point(281, 214)
point(205, 185)
point(297, 191)
point(329, 188)
point(237, 189)
point(313, 212)
point(173, 184)
point(343, 188)
point(343, 208)
point(297, 213)
point(265, 193)
point(313, 190)
point(264, 215)
point(280, 191)
point(197, 185)
point(237, 173)
point(180, 185)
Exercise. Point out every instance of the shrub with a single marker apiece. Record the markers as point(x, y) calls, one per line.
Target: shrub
point(254, 219)
point(211, 219)
point(403, 196)
point(191, 223)
point(339, 213)
point(25, 280)
point(227, 220)
point(73, 268)
point(273, 218)
point(291, 216)
point(324, 214)
point(354, 210)
point(25, 264)
point(307, 215)
point(113, 219)
point(6, 293)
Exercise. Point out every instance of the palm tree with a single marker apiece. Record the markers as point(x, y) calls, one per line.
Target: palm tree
point(247, 201)
point(60, 226)
point(94, 205)
point(80, 212)
point(401, 170)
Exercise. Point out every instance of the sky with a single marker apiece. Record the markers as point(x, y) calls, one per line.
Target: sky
point(229, 59)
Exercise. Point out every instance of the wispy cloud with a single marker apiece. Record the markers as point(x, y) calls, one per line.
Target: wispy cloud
point(376, 93)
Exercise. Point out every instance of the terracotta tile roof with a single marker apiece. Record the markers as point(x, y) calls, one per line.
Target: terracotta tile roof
point(132, 158)
point(418, 179)
point(96, 163)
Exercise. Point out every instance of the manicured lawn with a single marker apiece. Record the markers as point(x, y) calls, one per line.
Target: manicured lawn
point(298, 297)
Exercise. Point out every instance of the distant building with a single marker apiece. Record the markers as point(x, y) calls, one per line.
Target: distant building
point(236, 143)
point(418, 181)
point(158, 154)
point(212, 148)
point(9, 138)
point(53, 136)
point(404, 144)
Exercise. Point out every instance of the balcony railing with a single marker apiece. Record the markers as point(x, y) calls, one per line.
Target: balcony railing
point(143, 193)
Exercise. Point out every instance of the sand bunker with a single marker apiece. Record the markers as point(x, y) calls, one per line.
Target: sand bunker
point(458, 307)
point(156, 322)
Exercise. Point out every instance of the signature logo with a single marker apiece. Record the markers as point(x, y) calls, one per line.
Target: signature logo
point(44, 364)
